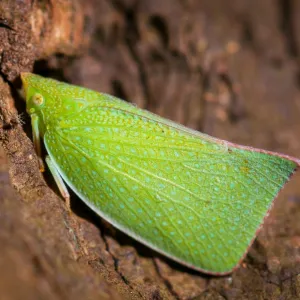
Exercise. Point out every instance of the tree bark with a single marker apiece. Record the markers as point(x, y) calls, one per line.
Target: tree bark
point(227, 68)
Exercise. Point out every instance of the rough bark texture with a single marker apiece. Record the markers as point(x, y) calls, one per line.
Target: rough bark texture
point(228, 68)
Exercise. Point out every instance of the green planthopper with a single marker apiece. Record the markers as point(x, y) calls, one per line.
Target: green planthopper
point(196, 199)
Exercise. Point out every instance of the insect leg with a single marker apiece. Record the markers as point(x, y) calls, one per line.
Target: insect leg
point(37, 140)
point(59, 181)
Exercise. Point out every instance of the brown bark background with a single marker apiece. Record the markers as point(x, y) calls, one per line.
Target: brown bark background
point(227, 68)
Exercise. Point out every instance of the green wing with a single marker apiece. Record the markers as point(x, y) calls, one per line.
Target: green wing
point(194, 198)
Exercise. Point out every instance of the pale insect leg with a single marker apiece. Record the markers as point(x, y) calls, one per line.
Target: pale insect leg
point(37, 140)
point(59, 181)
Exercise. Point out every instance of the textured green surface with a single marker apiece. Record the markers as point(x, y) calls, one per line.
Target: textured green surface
point(194, 198)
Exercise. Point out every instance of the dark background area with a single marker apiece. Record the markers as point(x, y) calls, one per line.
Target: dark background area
point(227, 68)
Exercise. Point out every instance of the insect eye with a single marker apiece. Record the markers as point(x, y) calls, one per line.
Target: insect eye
point(38, 99)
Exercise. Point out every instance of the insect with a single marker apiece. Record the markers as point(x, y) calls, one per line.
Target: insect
point(197, 199)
